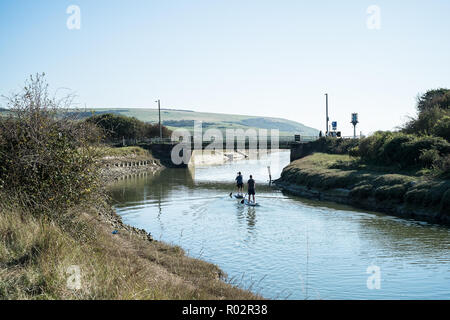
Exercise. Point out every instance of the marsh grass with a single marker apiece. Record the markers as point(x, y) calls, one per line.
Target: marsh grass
point(54, 215)
point(330, 171)
point(36, 253)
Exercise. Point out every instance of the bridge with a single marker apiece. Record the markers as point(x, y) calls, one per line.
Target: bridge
point(162, 148)
point(281, 142)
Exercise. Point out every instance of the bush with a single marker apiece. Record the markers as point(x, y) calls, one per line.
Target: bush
point(392, 150)
point(369, 148)
point(354, 152)
point(425, 121)
point(46, 163)
point(402, 150)
point(442, 128)
point(418, 146)
point(118, 127)
point(429, 157)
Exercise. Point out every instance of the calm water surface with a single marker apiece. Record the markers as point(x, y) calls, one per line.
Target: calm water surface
point(288, 247)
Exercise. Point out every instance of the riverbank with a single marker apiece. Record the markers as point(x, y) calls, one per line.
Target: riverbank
point(89, 253)
point(341, 179)
point(117, 163)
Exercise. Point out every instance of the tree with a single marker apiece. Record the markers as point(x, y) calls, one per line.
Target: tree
point(434, 98)
point(432, 106)
point(115, 127)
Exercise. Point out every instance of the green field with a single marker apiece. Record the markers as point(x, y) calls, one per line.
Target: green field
point(185, 119)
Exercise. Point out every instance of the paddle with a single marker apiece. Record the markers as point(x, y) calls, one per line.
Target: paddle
point(243, 199)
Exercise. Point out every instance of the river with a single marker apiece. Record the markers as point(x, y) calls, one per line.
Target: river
point(287, 247)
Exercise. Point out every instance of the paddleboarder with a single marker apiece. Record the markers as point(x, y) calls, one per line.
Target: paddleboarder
point(240, 183)
point(251, 189)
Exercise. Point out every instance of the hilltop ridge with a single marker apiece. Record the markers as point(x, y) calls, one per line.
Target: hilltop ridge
point(178, 118)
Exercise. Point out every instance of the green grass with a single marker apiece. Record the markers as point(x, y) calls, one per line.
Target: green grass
point(327, 171)
point(123, 152)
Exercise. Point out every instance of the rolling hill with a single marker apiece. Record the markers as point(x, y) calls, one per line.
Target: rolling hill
point(173, 118)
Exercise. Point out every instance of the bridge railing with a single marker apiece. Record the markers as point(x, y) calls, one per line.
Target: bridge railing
point(282, 140)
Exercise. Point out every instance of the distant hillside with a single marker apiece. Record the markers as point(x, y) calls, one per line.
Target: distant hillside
point(185, 119)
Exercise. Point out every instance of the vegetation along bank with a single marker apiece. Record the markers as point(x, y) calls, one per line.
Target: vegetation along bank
point(405, 173)
point(59, 236)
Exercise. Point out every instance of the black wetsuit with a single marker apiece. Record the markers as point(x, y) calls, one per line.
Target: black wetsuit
point(239, 181)
point(251, 187)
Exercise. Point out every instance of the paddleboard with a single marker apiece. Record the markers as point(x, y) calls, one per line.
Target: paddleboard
point(238, 196)
point(251, 203)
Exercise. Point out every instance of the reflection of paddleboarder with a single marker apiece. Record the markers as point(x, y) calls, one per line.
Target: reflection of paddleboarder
point(240, 183)
point(251, 188)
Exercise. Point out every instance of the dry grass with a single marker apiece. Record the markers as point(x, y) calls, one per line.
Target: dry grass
point(35, 255)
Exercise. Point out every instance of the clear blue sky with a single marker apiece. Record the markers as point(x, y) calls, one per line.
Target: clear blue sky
point(267, 58)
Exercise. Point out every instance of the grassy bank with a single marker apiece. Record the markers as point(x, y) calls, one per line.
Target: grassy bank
point(126, 161)
point(381, 188)
point(59, 236)
point(36, 255)
point(128, 152)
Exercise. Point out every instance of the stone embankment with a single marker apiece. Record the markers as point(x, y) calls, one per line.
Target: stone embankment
point(115, 168)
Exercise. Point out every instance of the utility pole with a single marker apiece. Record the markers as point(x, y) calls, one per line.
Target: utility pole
point(326, 128)
point(159, 114)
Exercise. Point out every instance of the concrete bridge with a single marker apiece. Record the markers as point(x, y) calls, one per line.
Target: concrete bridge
point(162, 148)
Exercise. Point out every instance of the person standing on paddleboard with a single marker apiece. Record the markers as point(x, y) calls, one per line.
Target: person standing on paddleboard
point(240, 183)
point(251, 189)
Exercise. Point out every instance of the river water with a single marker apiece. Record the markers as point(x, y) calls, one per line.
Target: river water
point(287, 247)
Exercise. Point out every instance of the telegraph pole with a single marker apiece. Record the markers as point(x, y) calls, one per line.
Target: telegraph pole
point(326, 130)
point(159, 115)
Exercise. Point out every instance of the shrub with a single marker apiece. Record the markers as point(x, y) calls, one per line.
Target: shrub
point(425, 121)
point(116, 127)
point(47, 163)
point(402, 150)
point(354, 152)
point(429, 157)
point(392, 150)
point(442, 128)
point(369, 148)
